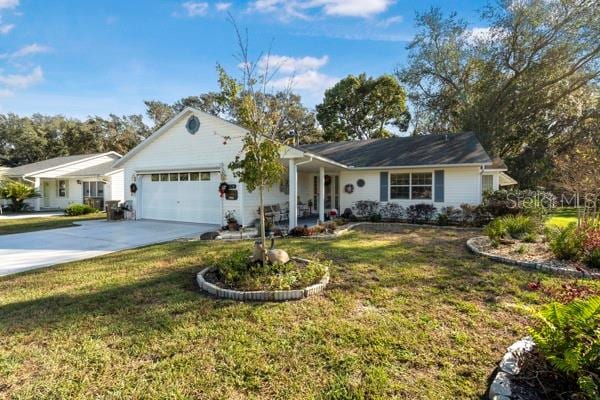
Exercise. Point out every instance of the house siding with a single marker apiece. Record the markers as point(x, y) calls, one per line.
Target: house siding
point(461, 185)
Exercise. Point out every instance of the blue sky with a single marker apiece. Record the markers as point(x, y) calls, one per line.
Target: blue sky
point(80, 58)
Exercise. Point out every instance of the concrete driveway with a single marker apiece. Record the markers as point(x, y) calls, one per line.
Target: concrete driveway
point(24, 251)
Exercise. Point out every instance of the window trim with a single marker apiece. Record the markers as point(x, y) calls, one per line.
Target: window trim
point(64, 189)
point(491, 177)
point(411, 185)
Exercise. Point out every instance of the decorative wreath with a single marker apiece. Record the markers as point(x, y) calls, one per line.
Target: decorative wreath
point(133, 188)
point(223, 188)
point(349, 188)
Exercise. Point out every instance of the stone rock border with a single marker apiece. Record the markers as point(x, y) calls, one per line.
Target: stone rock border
point(261, 295)
point(502, 386)
point(539, 265)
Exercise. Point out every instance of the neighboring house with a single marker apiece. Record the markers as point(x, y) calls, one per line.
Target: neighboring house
point(88, 178)
point(177, 172)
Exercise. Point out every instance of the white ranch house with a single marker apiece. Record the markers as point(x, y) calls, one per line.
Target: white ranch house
point(61, 181)
point(177, 172)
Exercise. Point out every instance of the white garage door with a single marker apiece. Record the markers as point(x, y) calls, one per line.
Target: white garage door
point(184, 196)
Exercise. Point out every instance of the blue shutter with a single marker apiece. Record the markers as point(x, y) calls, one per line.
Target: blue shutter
point(383, 186)
point(439, 186)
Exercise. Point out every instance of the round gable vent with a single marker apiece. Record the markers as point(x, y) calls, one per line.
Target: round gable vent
point(192, 125)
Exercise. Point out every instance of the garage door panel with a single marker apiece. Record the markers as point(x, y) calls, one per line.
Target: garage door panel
point(185, 201)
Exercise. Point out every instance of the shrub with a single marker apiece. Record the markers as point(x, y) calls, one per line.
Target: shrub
point(591, 246)
point(569, 338)
point(347, 214)
point(392, 211)
point(375, 217)
point(443, 219)
point(79, 209)
point(495, 230)
point(364, 208)
point(474, 215)
point(17, 193)
point(566, 243)
point(419, 213)
point(514, 202)
point(514, 226)
point(519, 226)
point(300, 231)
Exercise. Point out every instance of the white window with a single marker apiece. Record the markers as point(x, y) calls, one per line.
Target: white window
point(93, 189)
point(399, 186)
point(194, 176)
point(406, 186)
point(421, 186)
point(205, 176)
point(155, 177)
point(487, 183)
point(184, 176)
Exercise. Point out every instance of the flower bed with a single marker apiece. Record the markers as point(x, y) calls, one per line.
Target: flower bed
point(535, 255)
point(234, 277)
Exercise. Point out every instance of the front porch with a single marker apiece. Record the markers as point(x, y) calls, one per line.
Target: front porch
point(314, 191)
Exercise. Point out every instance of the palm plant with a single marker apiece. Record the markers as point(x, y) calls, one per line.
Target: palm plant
point(569, 338)
point(17, 193)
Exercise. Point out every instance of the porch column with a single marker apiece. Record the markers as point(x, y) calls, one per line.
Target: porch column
point(38, 187)
point(322, 194)
point(293, 194)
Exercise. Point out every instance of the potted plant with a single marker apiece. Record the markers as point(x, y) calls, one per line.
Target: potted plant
point(232, 223)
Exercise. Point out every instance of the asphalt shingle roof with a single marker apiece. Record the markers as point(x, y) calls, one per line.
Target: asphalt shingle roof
point(453, 148)
point(46, 164)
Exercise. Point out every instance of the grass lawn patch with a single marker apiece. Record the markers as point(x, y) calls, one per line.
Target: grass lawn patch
point(562, 217)
point(405, 315)
point(20, 225)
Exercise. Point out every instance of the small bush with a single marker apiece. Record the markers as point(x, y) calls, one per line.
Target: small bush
point(495, 230)
point(79, 209)
point(364, 208)
point(375, 217)
point(300, 231)
point(420, 213)
point(515, 202)
point(443, 219)
point(569, 338)
point(591, 246)
point(392, 211)
point(474, 215)
point(566, 243)
point(236, 271)
point(519, 226)
point(347, 214)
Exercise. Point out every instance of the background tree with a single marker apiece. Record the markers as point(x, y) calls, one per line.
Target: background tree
point(299, 125)
point(527, 86)
point(361, 107)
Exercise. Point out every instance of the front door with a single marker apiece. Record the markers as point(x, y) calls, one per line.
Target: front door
point(332, 192)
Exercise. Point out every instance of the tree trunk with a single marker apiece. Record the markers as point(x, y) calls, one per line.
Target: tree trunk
point(263, 236)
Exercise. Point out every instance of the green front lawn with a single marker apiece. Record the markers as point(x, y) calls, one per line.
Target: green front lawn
point(21, 225)
point(562, 218)
point(410, 315)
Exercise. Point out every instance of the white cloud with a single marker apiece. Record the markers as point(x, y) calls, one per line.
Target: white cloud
point(195, 9)
point(4, 29)
point(312, 81)
point(390, 21)
point(6, 93)
point(288, 65)
point(22, 81)
point(222, 6)
point(5, 4)
point(301, 74)
point(27, 51)
point(288, 9)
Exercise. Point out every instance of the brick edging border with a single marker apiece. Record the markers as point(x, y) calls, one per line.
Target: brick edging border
point(261, 295)
point(539, 265)
point(502, 386)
